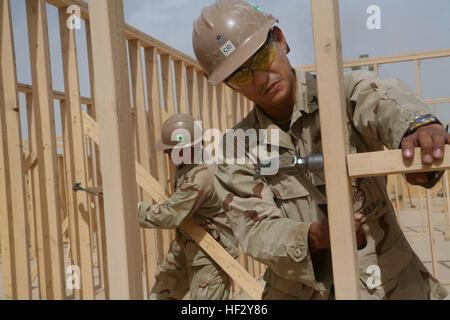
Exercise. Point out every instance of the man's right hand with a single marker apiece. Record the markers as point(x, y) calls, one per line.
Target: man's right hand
point(319, 234)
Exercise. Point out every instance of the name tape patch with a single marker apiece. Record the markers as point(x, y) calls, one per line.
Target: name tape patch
point(227, 48)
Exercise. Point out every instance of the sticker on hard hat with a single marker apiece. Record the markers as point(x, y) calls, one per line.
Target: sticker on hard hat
point(180, 138)
point(221, 38)
point(257, 7)
point(227, 48)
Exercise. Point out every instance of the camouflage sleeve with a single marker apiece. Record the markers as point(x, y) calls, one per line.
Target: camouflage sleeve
point(171, 213)
point(381, 109)
point(259, 225)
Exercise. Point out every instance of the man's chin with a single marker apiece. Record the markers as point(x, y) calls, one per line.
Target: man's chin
point(276, 98)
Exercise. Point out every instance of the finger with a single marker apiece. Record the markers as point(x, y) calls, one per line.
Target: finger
point(357, 226)
point(361, 239)
point(408, 146)
point(438, 146)
point(358, 216)
point(362, 243)
point(426, 147)
point(360, 236)
point(447, 138)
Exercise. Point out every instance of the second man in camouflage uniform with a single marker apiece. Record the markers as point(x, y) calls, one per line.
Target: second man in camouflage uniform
point(186, 266)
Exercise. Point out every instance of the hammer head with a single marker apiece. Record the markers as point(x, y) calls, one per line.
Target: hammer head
point(77, 187)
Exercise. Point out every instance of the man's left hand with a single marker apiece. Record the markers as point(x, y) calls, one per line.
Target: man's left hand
point(431, 140)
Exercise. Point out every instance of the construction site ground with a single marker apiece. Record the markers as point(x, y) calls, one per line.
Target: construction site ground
point(410, 220)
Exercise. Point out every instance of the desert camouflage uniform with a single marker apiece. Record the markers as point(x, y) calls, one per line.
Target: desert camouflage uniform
point(271, 215)
point(187, 267)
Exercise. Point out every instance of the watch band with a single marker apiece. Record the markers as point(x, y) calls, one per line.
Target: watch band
point(422, 121)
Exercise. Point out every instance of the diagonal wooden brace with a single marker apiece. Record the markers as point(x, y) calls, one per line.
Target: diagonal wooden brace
point(146, 181)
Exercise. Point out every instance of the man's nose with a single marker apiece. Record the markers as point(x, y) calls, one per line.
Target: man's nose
point(260, 77)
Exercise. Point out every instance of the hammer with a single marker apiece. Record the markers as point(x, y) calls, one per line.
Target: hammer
point(78, 187)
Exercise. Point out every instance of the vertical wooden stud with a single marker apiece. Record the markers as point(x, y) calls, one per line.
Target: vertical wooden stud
point(116, 148)
point(13, 210)
point(77, 172)
point(180, 83)
point(205, 111)
point(166, 70)
point(158, 162)
point(328, 52)
point(46, 149)
point(143, 151)
point(192, 92)
point(431, 233)
point(212, 102)
point(101, 230)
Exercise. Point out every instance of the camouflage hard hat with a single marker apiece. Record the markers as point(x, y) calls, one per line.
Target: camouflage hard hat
point(179, 131)
point(227, 34)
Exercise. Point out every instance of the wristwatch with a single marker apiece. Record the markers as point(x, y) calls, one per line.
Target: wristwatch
point(421, 121)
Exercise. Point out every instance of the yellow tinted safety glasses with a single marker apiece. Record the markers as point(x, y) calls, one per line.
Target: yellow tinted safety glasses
point(262, 60)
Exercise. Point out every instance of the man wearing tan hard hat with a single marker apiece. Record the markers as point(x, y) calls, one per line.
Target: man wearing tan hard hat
point(275, 218)
point(186, 266)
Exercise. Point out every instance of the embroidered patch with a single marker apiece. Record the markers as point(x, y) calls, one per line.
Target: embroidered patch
point(228, 48)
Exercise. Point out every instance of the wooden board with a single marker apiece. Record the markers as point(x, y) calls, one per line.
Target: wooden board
point(213, 98)
point(192, 92)
point(143, 152)
point(169, 104)
point(391, 162)
point(13, 210)
point(38, 231)
point(116, 148)
point(46, 151)
point(167, 81)
point(388, 59)
point(75, 156)
point(198, 234)
point(180, 83)
point(205, 111)
point(157, 116)
point(330, 78)
point(101, 236)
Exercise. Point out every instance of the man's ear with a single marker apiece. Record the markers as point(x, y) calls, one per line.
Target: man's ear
point(281, 40)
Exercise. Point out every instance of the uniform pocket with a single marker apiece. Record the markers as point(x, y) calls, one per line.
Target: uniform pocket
point(294, 200)
point(286, 187)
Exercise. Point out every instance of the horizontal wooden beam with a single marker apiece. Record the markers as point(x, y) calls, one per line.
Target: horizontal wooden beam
point(148, 41)
point(67, 3)
point(383, 163)
point(57, 95)
point(437, 101)
point(134, 34)
point(387, 59)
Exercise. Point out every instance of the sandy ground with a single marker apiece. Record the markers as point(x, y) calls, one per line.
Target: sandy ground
point(410, 220)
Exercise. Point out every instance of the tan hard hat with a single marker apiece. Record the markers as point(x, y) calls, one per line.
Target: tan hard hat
point(227, 34)
point(179, 131)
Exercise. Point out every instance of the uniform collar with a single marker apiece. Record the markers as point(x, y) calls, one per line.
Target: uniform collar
point(182, 170)
point(306, 91)
point(304, 96)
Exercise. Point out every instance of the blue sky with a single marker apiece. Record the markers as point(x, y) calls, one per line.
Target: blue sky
point(406, 26)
